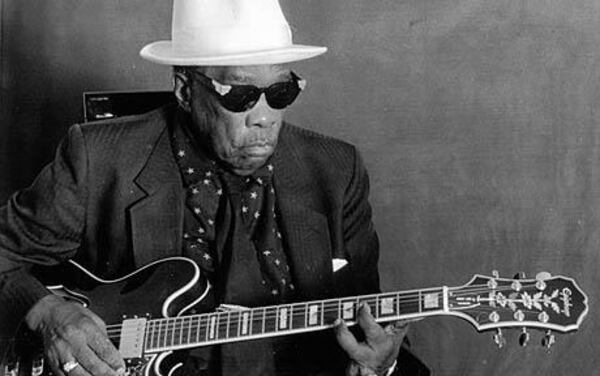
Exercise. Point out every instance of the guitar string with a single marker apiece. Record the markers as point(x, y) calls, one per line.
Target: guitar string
point(272, 311)
point(163, 340)
point(188, 324)
point(219, 325)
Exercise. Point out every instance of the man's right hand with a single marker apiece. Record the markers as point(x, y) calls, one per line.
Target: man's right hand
point(73, 333)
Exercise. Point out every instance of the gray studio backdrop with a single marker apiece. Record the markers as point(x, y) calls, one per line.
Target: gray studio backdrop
point(477, 120)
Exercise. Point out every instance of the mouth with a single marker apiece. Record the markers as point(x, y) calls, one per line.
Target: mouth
point(258, 149)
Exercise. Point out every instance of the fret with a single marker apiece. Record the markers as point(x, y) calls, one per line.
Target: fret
point(375, 308)
point(162, 341)
point(177, 332)
point(204, 325)
point(193, 330)
point(212, 329)
point(234, 324)
point(222, 327)
point(271, 319)
point(348, 309)
point(299, 316)
point(283, 317)
point(331, 311)
point(188, 329)
point(170, 332)
point(432, 300)
point(183, 331)
point(256, 321)
point(199, 328)
point(420, 299)
point(264, 317)
point(386, 305)
point(314, 314)
point(148, 335)
point(246, 324)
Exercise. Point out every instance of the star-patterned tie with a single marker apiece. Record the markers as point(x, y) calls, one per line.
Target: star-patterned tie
point(205, 194)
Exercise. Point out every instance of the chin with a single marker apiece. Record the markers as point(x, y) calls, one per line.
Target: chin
point(247, 165)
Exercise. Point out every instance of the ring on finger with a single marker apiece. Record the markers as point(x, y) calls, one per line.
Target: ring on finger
point(69, 366)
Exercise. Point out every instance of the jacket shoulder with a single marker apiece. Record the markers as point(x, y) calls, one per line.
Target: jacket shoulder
point(312, 142)
point(128, 129)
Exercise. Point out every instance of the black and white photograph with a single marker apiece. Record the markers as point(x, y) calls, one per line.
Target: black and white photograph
point(299, 187)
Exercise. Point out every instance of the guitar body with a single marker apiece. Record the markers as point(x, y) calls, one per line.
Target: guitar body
point(166, 288)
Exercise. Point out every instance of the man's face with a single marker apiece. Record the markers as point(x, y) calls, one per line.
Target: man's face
point(243, 141)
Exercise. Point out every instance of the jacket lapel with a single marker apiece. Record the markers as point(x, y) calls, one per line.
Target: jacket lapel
point(157, 220)
point(304, 227)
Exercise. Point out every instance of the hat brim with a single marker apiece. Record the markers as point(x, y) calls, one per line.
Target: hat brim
point(162, 52)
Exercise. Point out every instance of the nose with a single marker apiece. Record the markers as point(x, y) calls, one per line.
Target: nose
point(262, 115)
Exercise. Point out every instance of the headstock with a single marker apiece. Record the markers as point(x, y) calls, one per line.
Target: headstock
point(551, 303)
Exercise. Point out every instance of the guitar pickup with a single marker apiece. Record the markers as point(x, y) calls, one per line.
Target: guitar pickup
point(131, 343)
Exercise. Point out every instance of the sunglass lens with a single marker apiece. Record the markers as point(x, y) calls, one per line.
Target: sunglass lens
point(282, 94)
point(241, 98)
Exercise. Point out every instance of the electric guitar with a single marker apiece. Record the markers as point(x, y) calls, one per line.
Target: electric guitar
point(151, 313)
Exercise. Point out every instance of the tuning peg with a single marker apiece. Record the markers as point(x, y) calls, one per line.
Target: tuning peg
point(495, 274)
point(548, 339)
point(524, 337)
point(499, 338)
point(519, 275)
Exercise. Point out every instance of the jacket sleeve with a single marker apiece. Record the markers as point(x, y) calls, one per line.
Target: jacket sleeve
point(41, 225)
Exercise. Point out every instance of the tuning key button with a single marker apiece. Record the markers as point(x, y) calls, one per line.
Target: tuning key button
point(495, 274)
point(499, 338)
point(548, 339)
point(516, 285)
point(524, 338)
point(519, 315)
point(540, 284)
point(543, 317)
point(494, 316)
point(519, 275)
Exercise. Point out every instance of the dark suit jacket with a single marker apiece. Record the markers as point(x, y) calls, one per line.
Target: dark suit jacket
point(113, 200)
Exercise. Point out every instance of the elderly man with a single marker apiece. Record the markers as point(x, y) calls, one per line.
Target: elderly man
point(270, 212)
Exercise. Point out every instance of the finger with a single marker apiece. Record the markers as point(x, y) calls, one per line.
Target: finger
point(96, 319)
point(92, 363)
point(396, 333)
point(346, 339)
point(373, 331)
point(61, 354)
point(105, 350)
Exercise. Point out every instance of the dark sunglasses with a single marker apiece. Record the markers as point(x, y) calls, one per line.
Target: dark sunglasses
point(240, 98)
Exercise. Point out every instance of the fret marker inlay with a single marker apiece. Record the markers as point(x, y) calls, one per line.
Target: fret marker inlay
point(313, 315)
point(283, 318)
point(387, 306)
point(213, 324)
point(348, 310)
point(245, 322)
point(431, 301)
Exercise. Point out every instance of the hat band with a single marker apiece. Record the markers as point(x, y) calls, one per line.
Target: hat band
point(224, 40)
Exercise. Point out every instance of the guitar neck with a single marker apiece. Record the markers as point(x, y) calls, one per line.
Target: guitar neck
point(251, 323)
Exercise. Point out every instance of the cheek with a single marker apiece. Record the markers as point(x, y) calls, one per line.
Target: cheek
point(228, 133)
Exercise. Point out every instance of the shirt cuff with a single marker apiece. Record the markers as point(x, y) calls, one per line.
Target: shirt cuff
point(19, 291)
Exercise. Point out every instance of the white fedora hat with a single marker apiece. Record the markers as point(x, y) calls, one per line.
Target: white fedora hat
point(228, 32)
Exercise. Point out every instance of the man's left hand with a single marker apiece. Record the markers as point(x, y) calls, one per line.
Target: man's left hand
point(380, 349)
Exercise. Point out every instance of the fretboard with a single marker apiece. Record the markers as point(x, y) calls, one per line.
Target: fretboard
point(252, 323)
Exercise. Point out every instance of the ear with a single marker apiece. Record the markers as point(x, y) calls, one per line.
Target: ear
point(182, 90)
